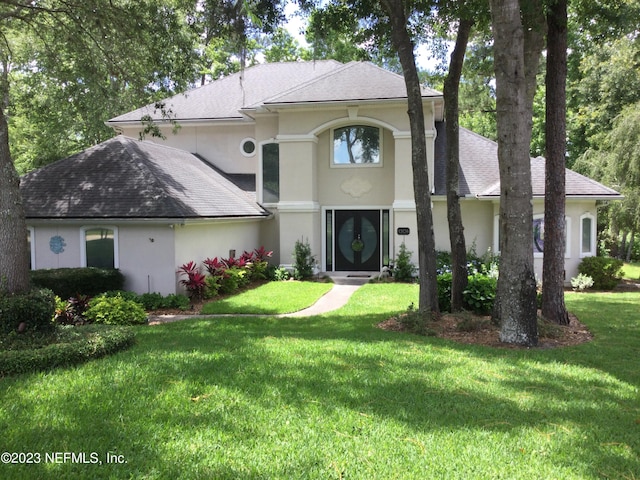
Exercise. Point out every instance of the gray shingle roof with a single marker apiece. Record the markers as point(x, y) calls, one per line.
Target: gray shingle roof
point(353, 81)
point(280, 83)
point(126, 178)
point(480, 174)
point(223, 98)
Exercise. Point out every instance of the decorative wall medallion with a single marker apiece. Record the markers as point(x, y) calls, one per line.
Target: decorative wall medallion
point(356, 187)
point(57, 244)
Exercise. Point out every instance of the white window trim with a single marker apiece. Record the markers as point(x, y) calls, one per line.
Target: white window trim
point(83, 244)
point(592, 246)
point(32, 246)
point(332, 162)
point(255, 147)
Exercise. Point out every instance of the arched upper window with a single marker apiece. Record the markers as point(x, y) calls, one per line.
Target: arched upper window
point(356, 145)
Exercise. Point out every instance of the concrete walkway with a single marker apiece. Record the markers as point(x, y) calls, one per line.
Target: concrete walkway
point(335, 298)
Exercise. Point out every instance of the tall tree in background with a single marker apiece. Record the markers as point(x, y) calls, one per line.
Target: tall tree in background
point(553, 306)
point(518, 40)
point(402, 42)
point(454, 214)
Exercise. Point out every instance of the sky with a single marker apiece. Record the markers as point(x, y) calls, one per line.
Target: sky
point(296, 24)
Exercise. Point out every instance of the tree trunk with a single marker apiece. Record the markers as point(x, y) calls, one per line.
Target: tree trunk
point(14, 254)
point(454, 215)
point(516, 304)
point(553, 306)
point(623, 244)
point(428, 297)
point(630, 248)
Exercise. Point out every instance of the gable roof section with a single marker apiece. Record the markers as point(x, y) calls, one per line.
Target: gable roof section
point(480, 174)
point(128, 179)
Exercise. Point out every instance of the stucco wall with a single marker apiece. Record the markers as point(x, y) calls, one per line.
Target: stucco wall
point(147, 265)
point(196, 242)
point(146, 258)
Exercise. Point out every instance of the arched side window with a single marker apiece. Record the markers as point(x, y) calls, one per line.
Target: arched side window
point(99, 247)
point(356, 145)
point(587, 235)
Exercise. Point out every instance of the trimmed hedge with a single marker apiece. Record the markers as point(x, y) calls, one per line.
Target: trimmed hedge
point(115, 311)
point(77, 345)
point(34, 310)
point(69, 282)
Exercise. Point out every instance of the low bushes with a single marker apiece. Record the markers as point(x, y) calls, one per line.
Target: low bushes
point(115, 310)
point(605, 272)
point(72, 346)
point(224, 275)
point(70, 282)
point(27, 312)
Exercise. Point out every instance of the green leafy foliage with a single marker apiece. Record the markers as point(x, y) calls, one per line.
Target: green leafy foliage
point(72, 311)
point(115, 311)
point(304, 261)
point(28, 312)
point(72, 345)
point(70, 282)
point(233, 279)
point(444, 291)
point(480, 293)
point(606, 272)
point(404, 270)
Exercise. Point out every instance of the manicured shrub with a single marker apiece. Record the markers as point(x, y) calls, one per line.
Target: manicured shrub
point(606, 272)
point(151, 301)
point(71, 282)
point(115, 311)
point(74, 345)
point(176, 300)
point(304, 261)
point(480, 293)
point(27, 312)
point(404, 270)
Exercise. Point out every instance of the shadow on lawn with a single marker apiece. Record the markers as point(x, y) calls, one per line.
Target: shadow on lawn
point(203, 381)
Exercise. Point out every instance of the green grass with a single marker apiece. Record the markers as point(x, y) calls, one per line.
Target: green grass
point(333, 397)
point(631, 271)
point(271, 298)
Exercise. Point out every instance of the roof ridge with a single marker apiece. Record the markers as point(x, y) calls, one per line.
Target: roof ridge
point(339, 67)
point(156, 184)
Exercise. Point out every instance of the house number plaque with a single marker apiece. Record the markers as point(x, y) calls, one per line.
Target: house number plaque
point(403, 231)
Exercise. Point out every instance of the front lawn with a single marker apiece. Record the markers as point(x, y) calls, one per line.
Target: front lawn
point(631, 271)
point(271, 298)
point(334, 397)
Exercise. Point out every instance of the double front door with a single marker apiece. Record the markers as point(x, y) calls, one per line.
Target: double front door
point(357, 240)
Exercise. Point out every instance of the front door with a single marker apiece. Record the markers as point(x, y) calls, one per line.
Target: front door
point(357, 240)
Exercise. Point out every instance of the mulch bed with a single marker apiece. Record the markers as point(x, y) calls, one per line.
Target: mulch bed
point(452, 327)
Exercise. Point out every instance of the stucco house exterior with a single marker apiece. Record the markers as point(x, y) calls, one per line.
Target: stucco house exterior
point(312, 151)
